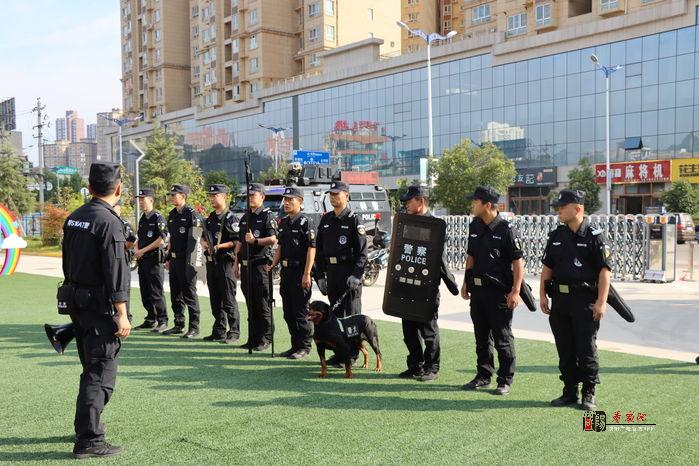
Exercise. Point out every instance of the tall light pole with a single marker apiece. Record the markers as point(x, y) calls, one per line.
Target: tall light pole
point(277, 130)
point(607, 70)
point(138, 178)
point(120, 123)
point(428, 38)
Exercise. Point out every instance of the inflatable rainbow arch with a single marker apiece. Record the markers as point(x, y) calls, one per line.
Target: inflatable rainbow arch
point(12, 242)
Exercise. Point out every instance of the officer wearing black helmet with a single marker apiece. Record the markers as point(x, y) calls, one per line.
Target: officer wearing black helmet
point(296, 253)
point(219, 238)
point(152, 232)
point(423, 365)
point(183, 275)
point(575, 254)
point(494, 258)
point(257, 234)
point(97, 279)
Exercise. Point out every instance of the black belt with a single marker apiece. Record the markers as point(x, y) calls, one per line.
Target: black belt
point(553, 287)
point(292, 264)
point(334, 260)
point(254, 262)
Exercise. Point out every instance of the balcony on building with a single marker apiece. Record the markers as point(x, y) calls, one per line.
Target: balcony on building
point(610, 7)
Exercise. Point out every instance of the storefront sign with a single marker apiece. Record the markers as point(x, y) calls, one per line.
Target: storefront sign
point(685, 169)
point(648, 171)
point(535, 177)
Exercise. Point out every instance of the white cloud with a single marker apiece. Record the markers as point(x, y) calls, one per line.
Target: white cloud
point(13, 242)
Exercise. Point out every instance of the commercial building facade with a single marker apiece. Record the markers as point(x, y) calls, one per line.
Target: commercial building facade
point(539, 98)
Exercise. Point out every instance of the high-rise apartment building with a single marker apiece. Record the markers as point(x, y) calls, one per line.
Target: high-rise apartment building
point(61, 132)
point(418, 14)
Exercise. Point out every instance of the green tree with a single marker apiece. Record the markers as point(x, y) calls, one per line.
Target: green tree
point(272, 174)
point(583, 178)
point(165, 165)
point(464, 167)
point(682, 197)
point(13, 184)
point(221, 177)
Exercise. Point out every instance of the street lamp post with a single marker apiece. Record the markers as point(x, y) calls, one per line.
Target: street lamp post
point(428, 38)
point(120, 123)
point(277, 130)
point(137, 177)
point(607, 70)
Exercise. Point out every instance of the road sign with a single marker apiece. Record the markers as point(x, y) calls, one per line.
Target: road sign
point(64, 170)
point(36, 186)
point(306, 157)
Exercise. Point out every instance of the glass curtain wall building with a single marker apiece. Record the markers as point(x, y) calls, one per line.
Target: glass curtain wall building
point(545, 113)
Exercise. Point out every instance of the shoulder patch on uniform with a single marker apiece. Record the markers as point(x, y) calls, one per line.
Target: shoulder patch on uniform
point(361, 230)
point(266, 209)
point(303, 220)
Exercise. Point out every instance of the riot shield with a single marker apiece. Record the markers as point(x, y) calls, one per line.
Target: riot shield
point(414, 266)
point(195, 252)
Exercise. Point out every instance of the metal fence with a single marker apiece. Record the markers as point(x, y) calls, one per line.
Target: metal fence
point(31, 224)
point(626, 236)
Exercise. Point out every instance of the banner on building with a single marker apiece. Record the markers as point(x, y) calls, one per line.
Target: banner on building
point(685, 169)
point(535, 177)
point(648, 171)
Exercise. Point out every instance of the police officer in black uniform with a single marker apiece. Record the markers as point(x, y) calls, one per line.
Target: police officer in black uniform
point(495, 259)
point(219, 239)
point(258, 233)
point(95, 267)
point(296, 253)
point(183, 275)
point(423, 365)
point(152, 232)
point(576, 258)
point(342, 251)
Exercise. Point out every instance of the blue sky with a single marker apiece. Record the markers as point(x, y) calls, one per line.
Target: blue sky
point(65, 51)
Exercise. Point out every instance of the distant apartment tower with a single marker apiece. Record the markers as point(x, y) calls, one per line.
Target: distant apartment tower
point(418, 14)
point(61, 131)
point(92, 131)
point(75, 126)
point(155, 50)
point(205, 53)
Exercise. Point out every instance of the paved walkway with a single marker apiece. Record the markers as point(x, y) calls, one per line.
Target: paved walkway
point(667, 315)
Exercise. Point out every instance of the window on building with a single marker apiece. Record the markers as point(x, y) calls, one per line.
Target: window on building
point(329, 32)
point(196, 71)
point(313, 34)
point(157, 15)
point(157, 55)
point(159, 75)
point(206, 35)
point(413, 48)
point(196, 90)
point(236, 89)
point(480, 14)
point(543, 14)
point(517, 24)
point(447, 25)
point(253, 42)
point(608, 5)
point(235, 24)
point(235, 45)
point(253, 17)
point(205, 13)
point(195, 11)
point(447, 9)
point(314, 60)
point(213, 75)
point(195, 31)
point(314, 9)
point(254, 86)
point(370, 14)
point(157, 35)
point(254, 65)
point(207, 79)
point(413, 2)
point(330, 7)
point(413, 17)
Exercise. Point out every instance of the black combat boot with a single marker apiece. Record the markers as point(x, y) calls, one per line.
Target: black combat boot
point(569, 397)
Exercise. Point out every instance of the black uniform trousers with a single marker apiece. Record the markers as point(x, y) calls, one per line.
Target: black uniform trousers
point(257, 301)
point(337, 275)
point(492, 324)
point(575, 332)
point(183, 292)
point(151, 276)
point(414, 334)
point(295, 304)
point(98, 349)
point(224, 307)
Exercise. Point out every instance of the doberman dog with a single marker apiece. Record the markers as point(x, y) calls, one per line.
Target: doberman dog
point(341, 335)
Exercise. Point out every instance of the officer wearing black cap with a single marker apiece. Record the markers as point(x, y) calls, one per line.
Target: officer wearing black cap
point(494, 258)
point(342, 251)
point(152, 232)
point(258, 233)
point(98, 277)
point(183, 275)
point(296, 253)
point(219, 238)
point(341, 254)
point(423, 365)
point(575, 254)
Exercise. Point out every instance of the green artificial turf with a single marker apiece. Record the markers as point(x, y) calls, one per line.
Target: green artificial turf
point(193, 402)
